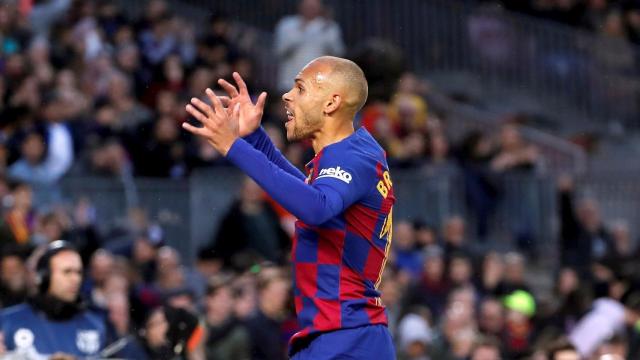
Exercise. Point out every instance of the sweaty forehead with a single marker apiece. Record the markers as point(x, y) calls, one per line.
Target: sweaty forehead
point(315, 73)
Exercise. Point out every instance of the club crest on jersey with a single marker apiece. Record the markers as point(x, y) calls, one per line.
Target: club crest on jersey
point(88, 341)
point(336, 173)
point(23, 338)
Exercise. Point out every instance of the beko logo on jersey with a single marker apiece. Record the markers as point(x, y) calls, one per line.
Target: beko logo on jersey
point(335, 173)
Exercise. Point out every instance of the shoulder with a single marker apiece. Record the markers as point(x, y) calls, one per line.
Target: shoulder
point(15, 311)
point(94, 319)
point(287, 21)
point(360, 150)
point(18, 167)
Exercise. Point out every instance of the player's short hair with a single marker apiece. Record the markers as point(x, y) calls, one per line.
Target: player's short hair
point(352, 76)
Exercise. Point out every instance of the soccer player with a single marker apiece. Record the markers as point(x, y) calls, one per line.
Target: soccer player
point(343, 204)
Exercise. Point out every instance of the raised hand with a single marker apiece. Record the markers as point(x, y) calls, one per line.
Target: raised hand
point(219, 127)
point(250, 114)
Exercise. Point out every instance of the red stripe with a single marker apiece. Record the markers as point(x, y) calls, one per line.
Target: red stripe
point(329, 315)
point(361, 220)
point(330, 246)
point(376, 312)
point(307, 279)
point(351, 284)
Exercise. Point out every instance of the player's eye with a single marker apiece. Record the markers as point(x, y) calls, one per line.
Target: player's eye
point(300, 89)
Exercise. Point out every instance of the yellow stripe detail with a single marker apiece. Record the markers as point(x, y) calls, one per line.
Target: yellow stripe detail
point(387, 229)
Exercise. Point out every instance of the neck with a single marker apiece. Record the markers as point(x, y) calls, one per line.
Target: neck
point(55, 308)
point(335, 130)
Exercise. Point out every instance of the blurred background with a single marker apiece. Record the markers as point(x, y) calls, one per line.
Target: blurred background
point(512, 130)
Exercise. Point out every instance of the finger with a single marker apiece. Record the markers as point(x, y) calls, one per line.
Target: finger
point(230, 89)
point(262, 99)
point(202, 106)
point(194, 130)
point(241, 84)
point(225, 100)
point(217, 104)
point(197, 114)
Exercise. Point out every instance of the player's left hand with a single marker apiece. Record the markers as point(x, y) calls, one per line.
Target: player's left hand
point(219, 127)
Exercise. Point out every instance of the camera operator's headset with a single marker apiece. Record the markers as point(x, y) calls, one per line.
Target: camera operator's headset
point(43, 267)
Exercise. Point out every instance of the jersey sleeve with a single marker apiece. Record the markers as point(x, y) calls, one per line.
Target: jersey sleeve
point(261, 141)
point(313, 204)
point(345, 174)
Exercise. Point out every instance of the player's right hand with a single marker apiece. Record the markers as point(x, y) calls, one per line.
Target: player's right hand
point(250, 114)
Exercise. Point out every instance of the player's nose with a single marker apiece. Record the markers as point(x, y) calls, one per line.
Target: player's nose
point(286, 96)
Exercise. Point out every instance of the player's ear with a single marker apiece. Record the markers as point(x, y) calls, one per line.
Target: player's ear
point(333, 104)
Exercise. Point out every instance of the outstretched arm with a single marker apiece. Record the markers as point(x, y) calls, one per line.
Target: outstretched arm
point(312, 204)
point(261, 142)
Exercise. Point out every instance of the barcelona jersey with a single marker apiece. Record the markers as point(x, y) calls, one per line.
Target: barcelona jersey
point(343, 233)
point(338, 264)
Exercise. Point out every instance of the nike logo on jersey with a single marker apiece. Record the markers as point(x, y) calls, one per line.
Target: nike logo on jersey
point(335, 173)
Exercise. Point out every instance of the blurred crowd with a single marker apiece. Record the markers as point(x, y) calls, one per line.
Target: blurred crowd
point(619, 18)
point(87, 91)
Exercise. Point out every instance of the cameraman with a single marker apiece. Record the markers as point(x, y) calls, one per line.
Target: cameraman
point(54, 323)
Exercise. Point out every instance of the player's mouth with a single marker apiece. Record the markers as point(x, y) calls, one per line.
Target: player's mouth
point(290, 116)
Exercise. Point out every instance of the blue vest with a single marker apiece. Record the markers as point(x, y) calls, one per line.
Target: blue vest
point(26, 330)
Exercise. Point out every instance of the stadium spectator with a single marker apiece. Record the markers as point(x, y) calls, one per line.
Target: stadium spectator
point(292, 40)
point(55, 320)
point(415, 336)
point(491, 318)
point(167, 333)
point(250, 231)
point(562, 349)
point(432, 287)
point(407, 257)
point(583, 237)
point(491, 276)
point(454, 237)
point(13, 277)
point(18, 220)
point(486, 349)
point(227, 338)
point(265, 326)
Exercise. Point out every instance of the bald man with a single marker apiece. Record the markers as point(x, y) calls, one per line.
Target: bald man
point(343, 204)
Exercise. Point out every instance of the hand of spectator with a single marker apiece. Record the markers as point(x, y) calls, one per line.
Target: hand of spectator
point(503, 161)
point(219, 128)
point(3, 348)
point(62, 356)
point(83, 213)
point(250, 114)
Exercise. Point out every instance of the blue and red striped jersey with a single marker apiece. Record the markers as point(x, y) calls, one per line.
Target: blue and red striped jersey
point(338, 264)
point(343, 233)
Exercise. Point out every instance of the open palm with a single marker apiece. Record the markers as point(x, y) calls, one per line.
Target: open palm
point(250, 113)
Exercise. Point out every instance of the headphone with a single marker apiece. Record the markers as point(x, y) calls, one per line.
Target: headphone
point(43, 267)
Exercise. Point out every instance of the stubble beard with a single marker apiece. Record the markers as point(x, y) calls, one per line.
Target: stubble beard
point(304, 129)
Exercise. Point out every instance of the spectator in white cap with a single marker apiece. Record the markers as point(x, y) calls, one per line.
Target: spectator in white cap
point(415, 335)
